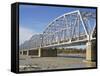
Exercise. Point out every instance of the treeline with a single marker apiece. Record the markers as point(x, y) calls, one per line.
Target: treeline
point(71, 51)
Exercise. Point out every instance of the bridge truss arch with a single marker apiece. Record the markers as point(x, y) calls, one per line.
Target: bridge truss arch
point(69, 27)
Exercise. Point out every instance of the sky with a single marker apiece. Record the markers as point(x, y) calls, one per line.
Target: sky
point(33, 19)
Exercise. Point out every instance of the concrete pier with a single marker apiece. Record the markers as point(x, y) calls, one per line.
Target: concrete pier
point(90, 52)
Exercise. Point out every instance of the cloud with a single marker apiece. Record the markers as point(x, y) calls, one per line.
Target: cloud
point(25, 34)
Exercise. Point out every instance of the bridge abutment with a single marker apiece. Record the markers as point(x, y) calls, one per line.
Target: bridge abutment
point(90, 52)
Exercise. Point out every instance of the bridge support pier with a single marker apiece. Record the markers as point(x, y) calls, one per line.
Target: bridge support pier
point(39, 52)
point(27, 53)
point(22, 53)
point(90, 52)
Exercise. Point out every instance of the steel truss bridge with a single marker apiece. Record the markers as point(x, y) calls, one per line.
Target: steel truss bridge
point(75, 27)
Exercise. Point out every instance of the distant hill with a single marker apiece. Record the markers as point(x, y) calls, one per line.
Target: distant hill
point(33, 42)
